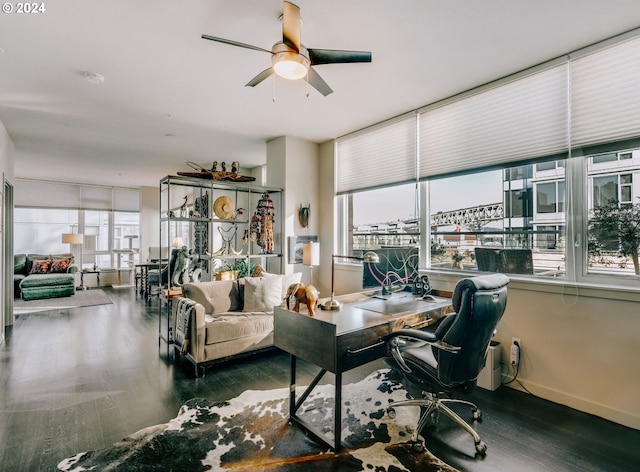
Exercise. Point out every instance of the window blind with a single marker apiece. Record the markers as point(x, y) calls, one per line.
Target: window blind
point(605, 95)
point(386, 154)
point(518, 120)
point(43, 194)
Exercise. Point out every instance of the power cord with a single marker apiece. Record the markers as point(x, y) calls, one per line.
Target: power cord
point(516, 369)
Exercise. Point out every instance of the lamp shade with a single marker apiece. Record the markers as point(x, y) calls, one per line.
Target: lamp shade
point(72, 238)
point(177, 242)
point(311, 254)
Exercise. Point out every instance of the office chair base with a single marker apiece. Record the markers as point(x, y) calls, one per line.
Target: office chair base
point(434, 406)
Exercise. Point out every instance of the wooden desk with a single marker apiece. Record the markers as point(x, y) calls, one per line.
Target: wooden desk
point(337, 341)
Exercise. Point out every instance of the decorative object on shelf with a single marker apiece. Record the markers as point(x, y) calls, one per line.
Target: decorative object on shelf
point(258, 271)
point(215, 174)
point(181, 268)
point(227, 275)
point(228, 235)
point(369, 257)
point(303, 215)
point(302, 293)
point(262, 223)
point(201, 228)
point(223, 208)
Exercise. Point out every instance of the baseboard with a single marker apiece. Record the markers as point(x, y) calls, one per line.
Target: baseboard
point(624, 418)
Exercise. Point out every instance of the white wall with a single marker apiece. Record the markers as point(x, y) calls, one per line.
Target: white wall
point(292, 164)
point(149, 220)
point(6, 169)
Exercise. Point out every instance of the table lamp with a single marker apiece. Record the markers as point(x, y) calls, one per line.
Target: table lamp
point(311, 257)
point(369, 257)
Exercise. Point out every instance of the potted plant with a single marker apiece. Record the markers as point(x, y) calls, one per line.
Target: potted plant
point(457, 257)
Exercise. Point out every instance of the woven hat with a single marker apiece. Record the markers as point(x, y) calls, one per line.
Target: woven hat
point(223, 208)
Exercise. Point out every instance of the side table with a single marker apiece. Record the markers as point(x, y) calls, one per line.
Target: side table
point(82, 272)
point(166, 295)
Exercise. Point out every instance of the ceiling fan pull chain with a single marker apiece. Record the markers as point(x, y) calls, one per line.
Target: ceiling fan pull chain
point(274, 88)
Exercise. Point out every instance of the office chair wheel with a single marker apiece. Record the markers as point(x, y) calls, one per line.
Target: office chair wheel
point(418, 446)
point(477, 414)
point(481, 448)
point(391, 412)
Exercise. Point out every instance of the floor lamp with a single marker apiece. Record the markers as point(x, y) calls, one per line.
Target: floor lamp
point(369, 257)
point(74, 239)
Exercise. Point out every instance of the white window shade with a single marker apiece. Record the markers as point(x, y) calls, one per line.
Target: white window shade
point(384, 155)
point(605, 95)
point(43, 194)
point(523, 119)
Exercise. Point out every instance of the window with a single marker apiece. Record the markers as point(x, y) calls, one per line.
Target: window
point(39, 231)
point(520, 167)
point(550, 197)
point(468, 219)
point(385, 217)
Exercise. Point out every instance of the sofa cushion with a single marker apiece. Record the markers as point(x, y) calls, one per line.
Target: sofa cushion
point(40, 266)
point(45, 280)
point(217, 296)
point(230, 326)
point(60, 266)
point(262, 293)
point(20, 264)
point(289, 279)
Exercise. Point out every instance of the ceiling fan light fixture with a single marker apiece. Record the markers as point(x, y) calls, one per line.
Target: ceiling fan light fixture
point(290, 65)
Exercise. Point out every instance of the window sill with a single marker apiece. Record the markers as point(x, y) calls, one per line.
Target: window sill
point(446, 280)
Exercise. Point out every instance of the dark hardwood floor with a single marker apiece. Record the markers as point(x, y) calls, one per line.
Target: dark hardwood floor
point(79, 379)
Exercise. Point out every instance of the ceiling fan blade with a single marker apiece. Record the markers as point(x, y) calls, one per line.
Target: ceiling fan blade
point(291, 25)
point(333, 56)
point(234, 43)
point(260, 77)
point(318, 82)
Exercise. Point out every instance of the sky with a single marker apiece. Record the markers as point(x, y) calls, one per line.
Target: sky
point(399, 202)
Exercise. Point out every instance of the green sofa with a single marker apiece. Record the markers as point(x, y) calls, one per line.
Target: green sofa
point(43, 276)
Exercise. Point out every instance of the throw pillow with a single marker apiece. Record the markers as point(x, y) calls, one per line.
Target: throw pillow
point(40, 267)
point(289, 279)
point(262, 293)
point(60, 266)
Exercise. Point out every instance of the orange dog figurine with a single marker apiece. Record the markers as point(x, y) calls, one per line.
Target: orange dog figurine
point(306, 294)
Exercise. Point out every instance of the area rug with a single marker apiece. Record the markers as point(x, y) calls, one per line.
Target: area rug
point(80, 298)
point(251, 433)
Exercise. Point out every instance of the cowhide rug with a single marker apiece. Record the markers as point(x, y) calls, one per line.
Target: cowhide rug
point(251, 433)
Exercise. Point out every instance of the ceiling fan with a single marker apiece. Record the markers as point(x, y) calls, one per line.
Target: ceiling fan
point(291, 60)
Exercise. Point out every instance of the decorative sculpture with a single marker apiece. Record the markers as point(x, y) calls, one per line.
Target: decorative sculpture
point(261, 227)
point(302, 293)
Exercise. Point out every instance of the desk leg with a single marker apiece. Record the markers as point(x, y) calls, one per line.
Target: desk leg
point(294, 405)
point(337, 419)
point(292, 388)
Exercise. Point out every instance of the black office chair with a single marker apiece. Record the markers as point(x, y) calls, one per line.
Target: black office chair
point(160, 277)
point(449, 361)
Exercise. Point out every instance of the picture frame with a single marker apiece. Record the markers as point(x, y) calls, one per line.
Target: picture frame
point(295, 247)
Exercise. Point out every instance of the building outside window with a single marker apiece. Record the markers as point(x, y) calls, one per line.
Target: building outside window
point(469, 212)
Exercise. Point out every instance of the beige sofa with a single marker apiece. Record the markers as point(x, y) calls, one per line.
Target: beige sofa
point(217, 320)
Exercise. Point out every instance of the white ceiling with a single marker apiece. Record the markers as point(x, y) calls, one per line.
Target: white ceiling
point(170, 96)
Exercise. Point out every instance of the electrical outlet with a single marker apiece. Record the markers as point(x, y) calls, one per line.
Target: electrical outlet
point(516, 349)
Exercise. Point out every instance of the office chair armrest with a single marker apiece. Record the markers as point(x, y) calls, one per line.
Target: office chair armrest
point(415, 335)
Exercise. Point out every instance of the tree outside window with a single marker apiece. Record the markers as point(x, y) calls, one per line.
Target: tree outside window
point(616, 228)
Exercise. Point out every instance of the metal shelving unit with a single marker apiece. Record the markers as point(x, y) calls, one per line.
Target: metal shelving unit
point(187, 219)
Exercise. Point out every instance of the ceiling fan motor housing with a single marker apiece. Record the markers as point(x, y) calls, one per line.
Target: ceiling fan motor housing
point(289, 63)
